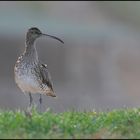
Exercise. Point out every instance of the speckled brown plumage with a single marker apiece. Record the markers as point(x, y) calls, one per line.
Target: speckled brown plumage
point(31, 75)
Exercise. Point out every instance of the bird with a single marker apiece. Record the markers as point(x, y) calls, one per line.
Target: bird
point(31, 75)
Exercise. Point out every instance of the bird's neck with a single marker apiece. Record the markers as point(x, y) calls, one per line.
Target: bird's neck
point(30, 51)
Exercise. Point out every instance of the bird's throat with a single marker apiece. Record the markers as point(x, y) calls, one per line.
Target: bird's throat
point(31, 52)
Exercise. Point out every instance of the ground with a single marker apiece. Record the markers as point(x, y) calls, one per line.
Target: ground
point(123, 123)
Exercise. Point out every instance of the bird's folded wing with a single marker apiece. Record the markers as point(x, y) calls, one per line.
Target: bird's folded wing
point(45, 76)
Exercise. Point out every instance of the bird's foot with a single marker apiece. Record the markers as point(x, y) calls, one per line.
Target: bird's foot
point(28, 112)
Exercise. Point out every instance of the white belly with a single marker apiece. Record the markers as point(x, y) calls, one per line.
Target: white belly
point(28, 83)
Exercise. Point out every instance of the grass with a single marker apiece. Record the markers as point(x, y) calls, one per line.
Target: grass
point(123, 123)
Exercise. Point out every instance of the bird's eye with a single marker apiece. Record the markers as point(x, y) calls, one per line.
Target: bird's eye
point(36, 32)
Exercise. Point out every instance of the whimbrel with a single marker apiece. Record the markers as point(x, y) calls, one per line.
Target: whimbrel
point(31, 75)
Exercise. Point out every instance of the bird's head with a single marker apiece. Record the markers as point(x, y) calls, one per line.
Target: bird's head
point(34, 33)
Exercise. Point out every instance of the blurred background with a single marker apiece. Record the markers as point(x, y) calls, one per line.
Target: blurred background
point(98, 67)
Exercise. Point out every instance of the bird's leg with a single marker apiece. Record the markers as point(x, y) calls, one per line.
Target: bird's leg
point(28, 111)
point(29, 108)
point(31, 100)
point(40, 102)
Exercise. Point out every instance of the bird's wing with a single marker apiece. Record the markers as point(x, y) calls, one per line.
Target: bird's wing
point(45, 76)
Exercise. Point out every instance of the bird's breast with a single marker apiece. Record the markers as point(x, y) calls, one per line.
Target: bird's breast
point(26, 79)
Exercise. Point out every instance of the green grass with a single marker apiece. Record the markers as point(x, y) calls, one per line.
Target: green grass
point(124, 123)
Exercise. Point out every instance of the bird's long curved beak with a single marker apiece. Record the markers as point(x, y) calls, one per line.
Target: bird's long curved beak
point(53, 37)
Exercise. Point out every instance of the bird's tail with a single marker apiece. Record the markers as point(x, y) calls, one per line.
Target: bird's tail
point(50, 93)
